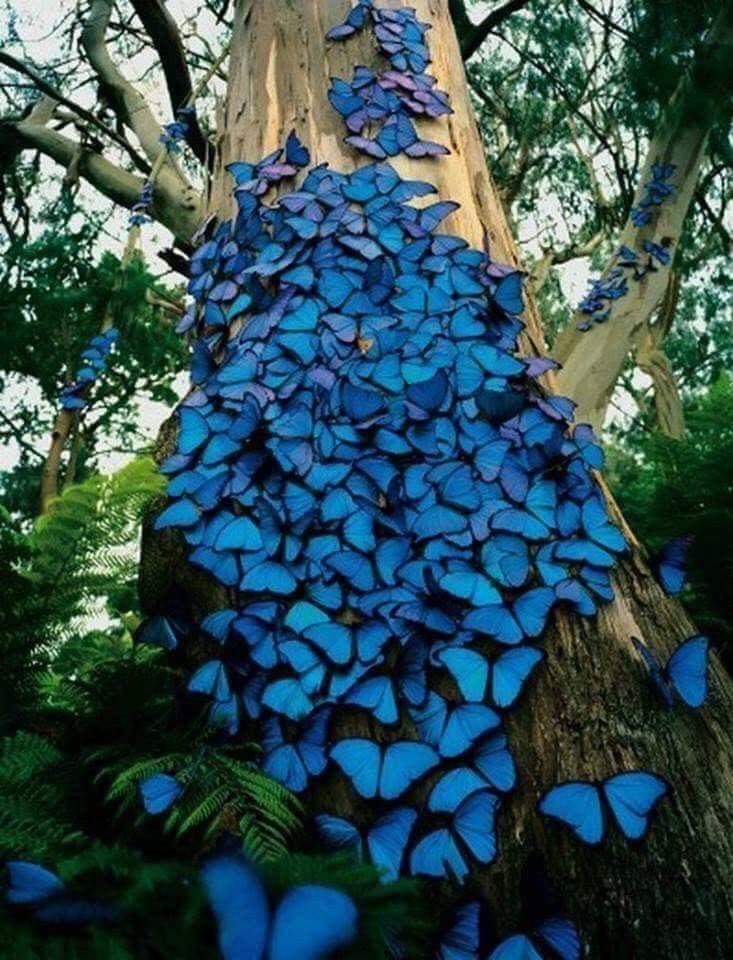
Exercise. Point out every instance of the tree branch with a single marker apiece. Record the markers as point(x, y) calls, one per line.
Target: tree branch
point(130, 106)
point(46, 88)
point(472, 35)
point(175, 205)
point(166, 38)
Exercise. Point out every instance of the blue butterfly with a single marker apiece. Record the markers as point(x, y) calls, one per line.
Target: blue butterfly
point(309, 923)
point(452, 731)
point(293, 764)
point(386, 840)
point(37, 889)
point(386, 772)
point(462, 940)
point(526, 617)
point(631, 797)
point(686, 672)
point(671, 563)
point(159, 792)
point(553, 939)
point(159, 631)
point(440, 853)
point(508, 294)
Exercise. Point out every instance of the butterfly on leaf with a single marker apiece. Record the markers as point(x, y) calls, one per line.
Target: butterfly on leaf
point(630, 796)
point(686, 671)
point(309, 922)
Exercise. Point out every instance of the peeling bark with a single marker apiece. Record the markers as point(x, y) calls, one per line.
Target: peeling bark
point(590, 712)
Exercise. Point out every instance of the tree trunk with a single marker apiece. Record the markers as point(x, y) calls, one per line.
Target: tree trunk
point(590, 713)
point(593, 360)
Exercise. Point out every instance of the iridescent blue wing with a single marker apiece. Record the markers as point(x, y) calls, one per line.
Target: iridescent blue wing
point(495, 762)
point(578, 806)
point(510, 672)
point(239, 904)
point(377, 695)
point(474, 820)
point(560, 934)
point(516, 947)
point(387, 840)
point(30, 883)
point(338, 833)
point(656, 673)
point(687, 670)
point(361, 761)
point(671, 564)
point(632, 797)
point(405, 762)
point(453, 788)
point(159, 792)
point(469, 669)
point(508, 294)
point(463, 727)
point(310, 923)
point(211, 680)
point(461, 941)
point(437, 855)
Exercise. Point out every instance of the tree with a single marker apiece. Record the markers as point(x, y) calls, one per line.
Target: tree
point(593, 363)
point(591, 714)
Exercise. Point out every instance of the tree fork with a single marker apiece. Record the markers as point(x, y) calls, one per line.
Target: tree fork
point(590, 712)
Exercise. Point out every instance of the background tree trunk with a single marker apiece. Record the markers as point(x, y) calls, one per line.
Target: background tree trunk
point(590, 712)
point(594, 359)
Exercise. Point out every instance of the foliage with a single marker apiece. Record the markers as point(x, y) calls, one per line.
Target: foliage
point(666, 487)
point(55, 291)
point(88, 713)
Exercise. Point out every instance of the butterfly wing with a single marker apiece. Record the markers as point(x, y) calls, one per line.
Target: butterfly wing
point(495, 762)
point(687, 670)
point(361, 761)
point(388, 838)
point(655, 670)
point(437, 855)
point(516, 947)
point(632, 797)
point(461, 941)
point(474, 824)
point(560, 934)
point(672, 564)
point(404, 763)
point(239, 904)
point(310, 923)
point(453, 788)
point(510, 672)
point(159, 792)
point(578, 806)
point(339, 834)
point(30, 883)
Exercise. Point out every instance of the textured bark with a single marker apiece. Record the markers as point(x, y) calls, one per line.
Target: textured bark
point(593, 360)
point(589, 712)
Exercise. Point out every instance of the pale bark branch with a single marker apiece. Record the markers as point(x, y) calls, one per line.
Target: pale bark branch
point(175, 205)
point(130, 105)
point(46, 88)
point(593, 360)
point(166, 38)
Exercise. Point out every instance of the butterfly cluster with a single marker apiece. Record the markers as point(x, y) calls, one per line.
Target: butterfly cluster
point(140, 212)
point(174, 133)
point(656, 191)
point(94, 357)
point(309, 922)
point(379, 107)
point(365, 462)
point(630, 264)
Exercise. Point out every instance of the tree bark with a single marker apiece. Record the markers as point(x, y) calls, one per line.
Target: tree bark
point(590, 713)
point(593, 360)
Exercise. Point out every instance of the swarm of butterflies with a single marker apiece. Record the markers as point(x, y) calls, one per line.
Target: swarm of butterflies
point(94, 362)
point(629, 263)
point(397, 507)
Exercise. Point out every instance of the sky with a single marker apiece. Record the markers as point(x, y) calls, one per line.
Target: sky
point(35, 20)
